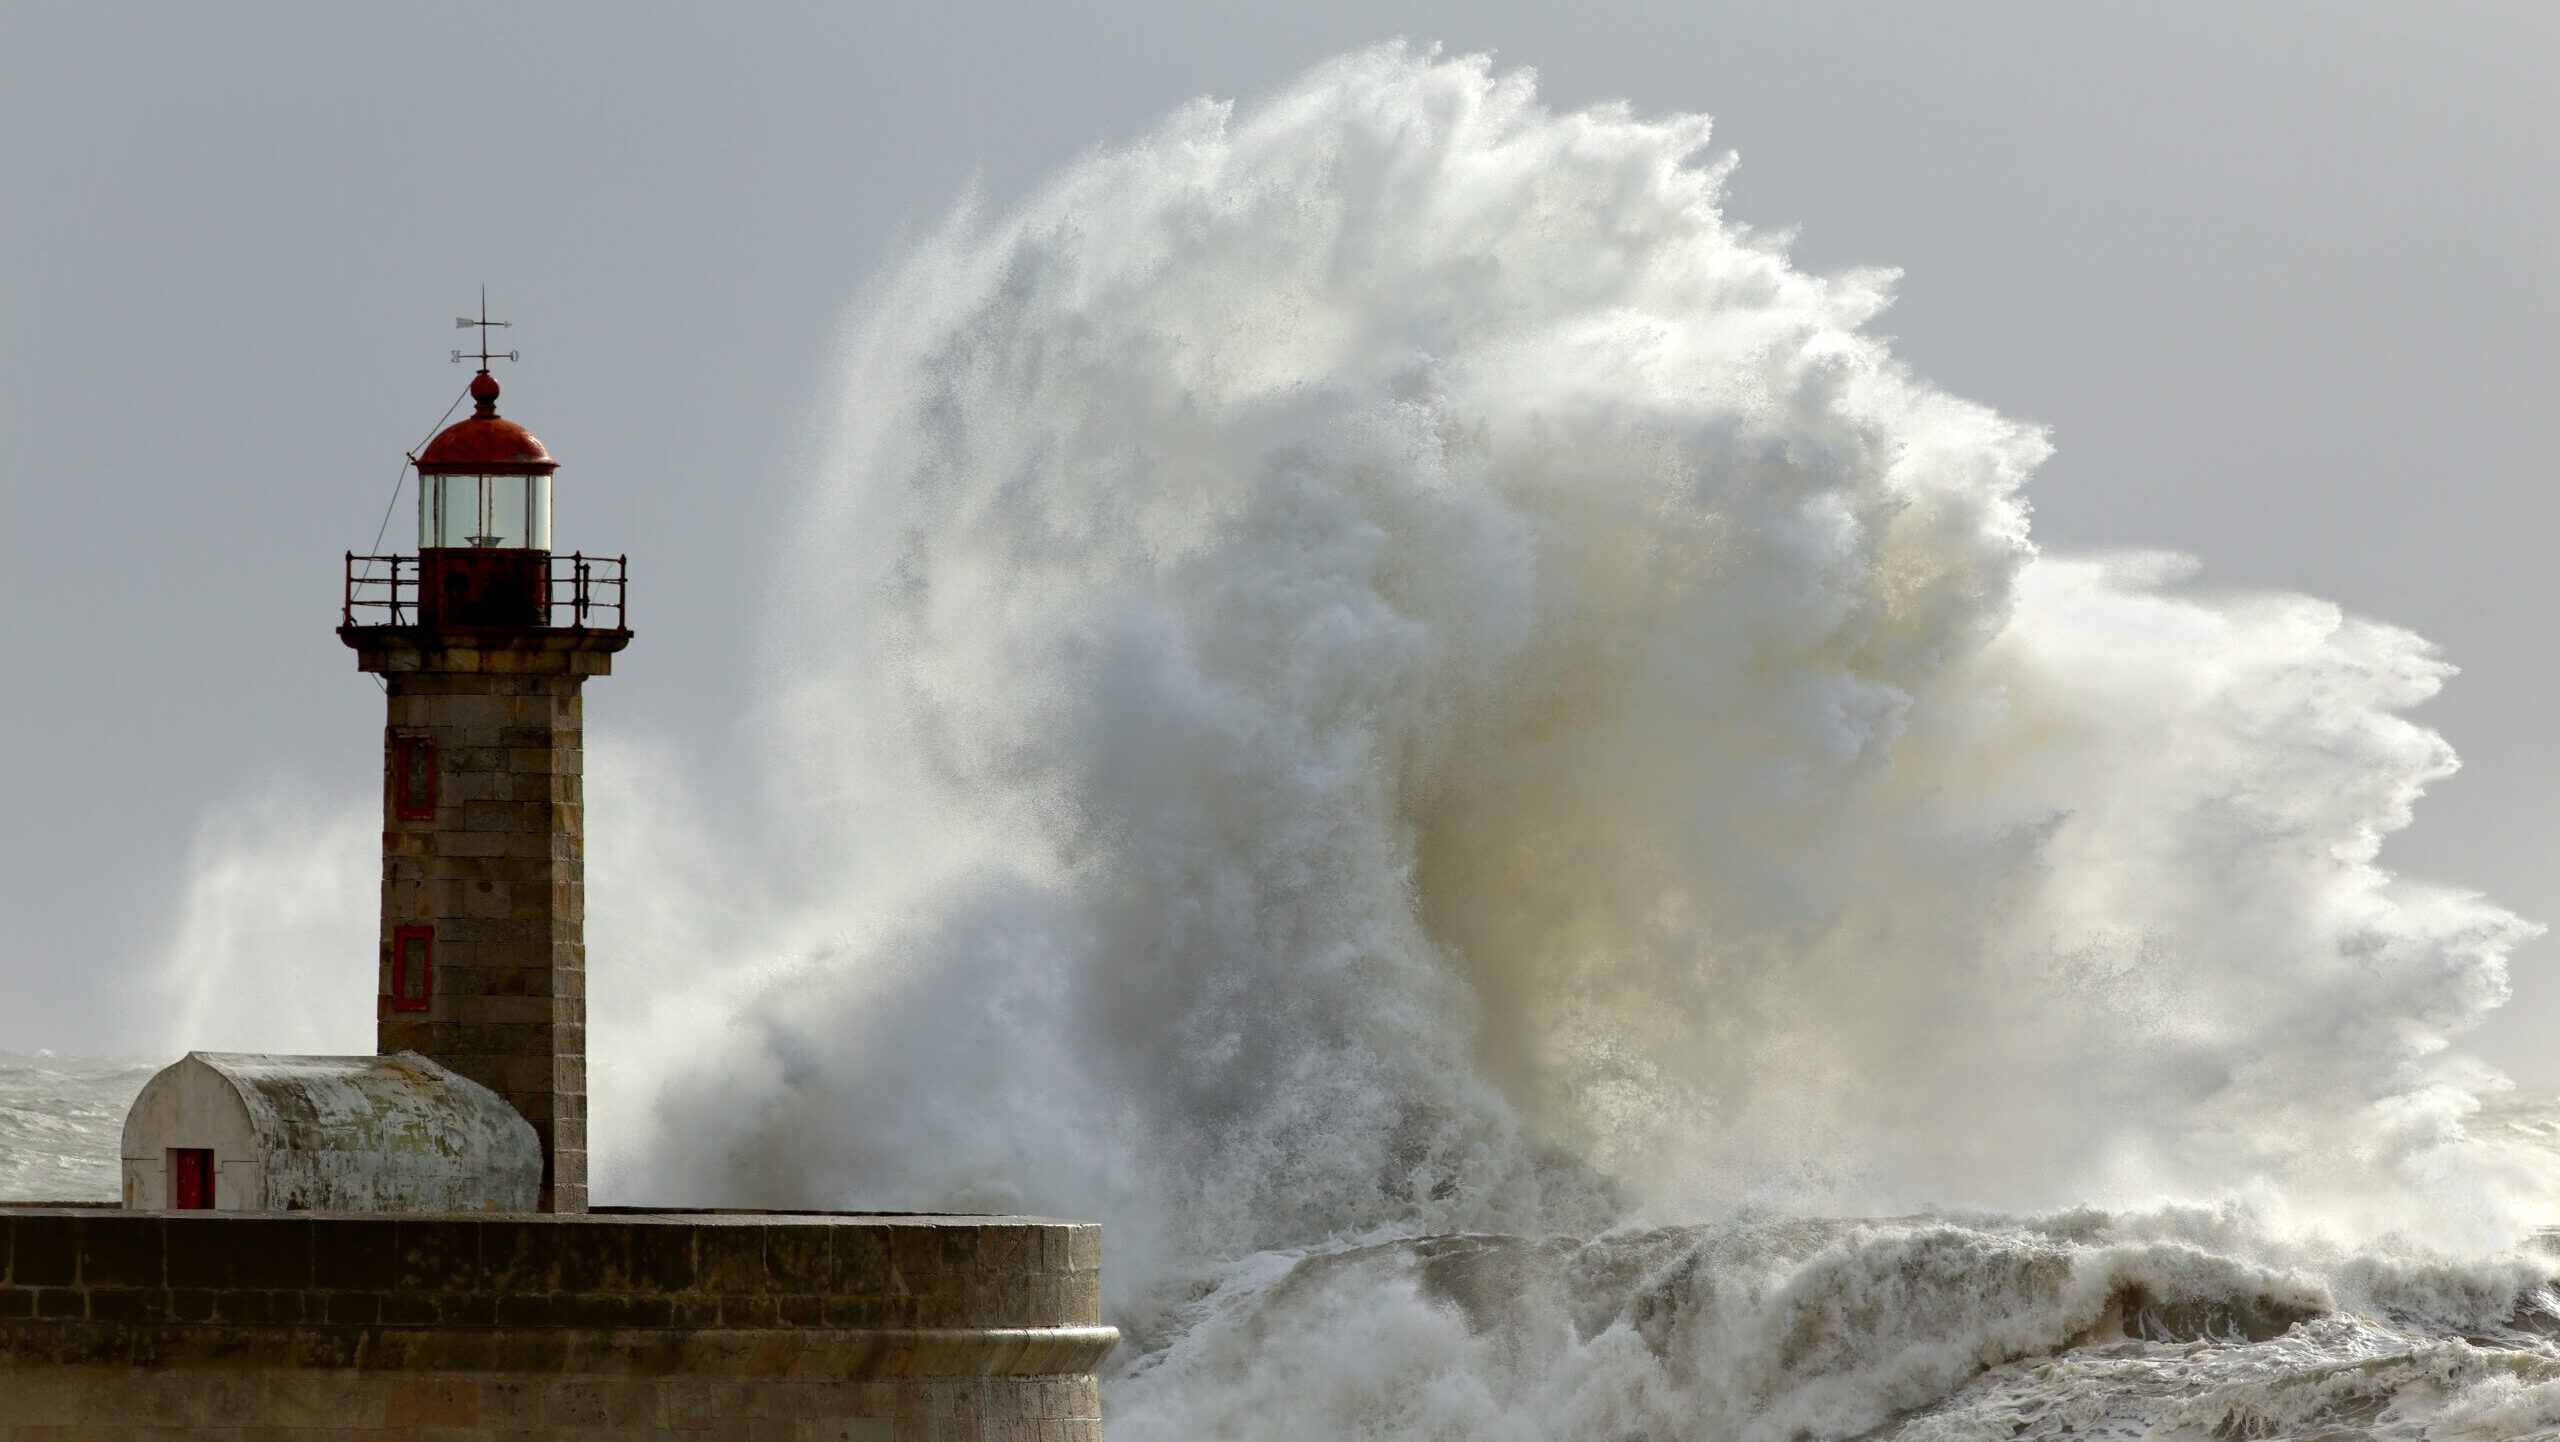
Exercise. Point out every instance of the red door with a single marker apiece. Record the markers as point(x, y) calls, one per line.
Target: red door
point(191, 1178)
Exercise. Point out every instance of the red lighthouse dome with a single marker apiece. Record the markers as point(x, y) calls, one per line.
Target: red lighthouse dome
point(485, 442)
point(484, 482)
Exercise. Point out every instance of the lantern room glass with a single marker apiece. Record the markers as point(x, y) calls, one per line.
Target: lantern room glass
point(484, 512)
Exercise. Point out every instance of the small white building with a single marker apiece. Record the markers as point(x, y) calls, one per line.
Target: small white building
point(243, 1133)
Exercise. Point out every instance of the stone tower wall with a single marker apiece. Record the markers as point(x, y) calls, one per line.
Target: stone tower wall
point(497, 872)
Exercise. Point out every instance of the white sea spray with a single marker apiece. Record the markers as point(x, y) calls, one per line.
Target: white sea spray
point(1432, 680)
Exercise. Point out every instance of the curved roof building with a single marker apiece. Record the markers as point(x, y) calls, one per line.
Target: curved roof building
point(237, 1132)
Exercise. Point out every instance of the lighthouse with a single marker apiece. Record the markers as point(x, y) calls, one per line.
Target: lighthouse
point(312, 1247)
point(484, 639)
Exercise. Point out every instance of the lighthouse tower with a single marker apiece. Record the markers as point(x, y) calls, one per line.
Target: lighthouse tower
point(483, 640)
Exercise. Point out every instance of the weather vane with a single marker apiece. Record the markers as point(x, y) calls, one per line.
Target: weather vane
point(486, 355)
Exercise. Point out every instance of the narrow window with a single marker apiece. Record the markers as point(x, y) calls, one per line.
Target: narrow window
point(191, 1178)
point(413, 778)
point(413, 951)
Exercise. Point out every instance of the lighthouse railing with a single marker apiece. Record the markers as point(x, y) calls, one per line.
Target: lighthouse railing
point(586, 592)
point(380, 591)
point(579, 592)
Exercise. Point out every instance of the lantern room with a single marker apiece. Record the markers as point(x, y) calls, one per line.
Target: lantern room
point(484, 519)
point(484, 561)
point(484, 483)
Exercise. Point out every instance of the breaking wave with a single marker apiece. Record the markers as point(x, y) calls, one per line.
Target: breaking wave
point(1380, 663)
point(1377, 688)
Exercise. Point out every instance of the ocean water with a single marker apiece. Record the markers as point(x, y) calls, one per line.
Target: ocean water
point(1377, 694)
point(61, 1123)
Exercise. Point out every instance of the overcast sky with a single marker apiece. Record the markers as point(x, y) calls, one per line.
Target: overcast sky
point(2281, 277)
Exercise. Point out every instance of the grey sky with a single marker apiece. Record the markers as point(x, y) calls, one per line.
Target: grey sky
point(2282, 277)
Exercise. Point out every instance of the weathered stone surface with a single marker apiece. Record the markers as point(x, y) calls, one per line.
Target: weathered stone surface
point(93, 1404)
point(497, 869)
point(332, 1133)
point(911, 1272)
point(118, 1325)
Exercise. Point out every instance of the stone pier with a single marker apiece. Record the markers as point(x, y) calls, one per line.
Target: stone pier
point(634, 1326)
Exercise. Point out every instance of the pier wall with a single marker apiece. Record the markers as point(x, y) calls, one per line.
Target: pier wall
point(118, 1326)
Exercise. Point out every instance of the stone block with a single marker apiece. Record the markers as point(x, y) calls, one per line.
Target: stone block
point(534, 786)
point(1000, 1299)
point(410, 1309)
point(471, 1309)
point(870, 1312)
point(746, 1313)
point(127, 1304)
point(516, 1257)
point(661, 1258)
point(486, 760)
point(519, 1078)
point(490, 1040)
point(915, 1257)
point(452, 933)
point(485, 844)
point(457, 785)
point(506, 816)
point(1001, 1248)
point(698, 1403)
point(797, 1258)
point(512, 1010)
point(121, 1250)
point(731, 1258)
point(511, 1401)
point(403, 1031)
point(436, 1255)
point(354, 1255)
point(270, 1252)
point(595, 1259)
point(418, 1402)
point(479, 709)
point(857, 1262)
point(600, 1404)
point(530, 1311)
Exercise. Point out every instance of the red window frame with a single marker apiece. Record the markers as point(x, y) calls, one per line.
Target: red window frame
point(191, 1174)
point(413, 959)
point(413, 778)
